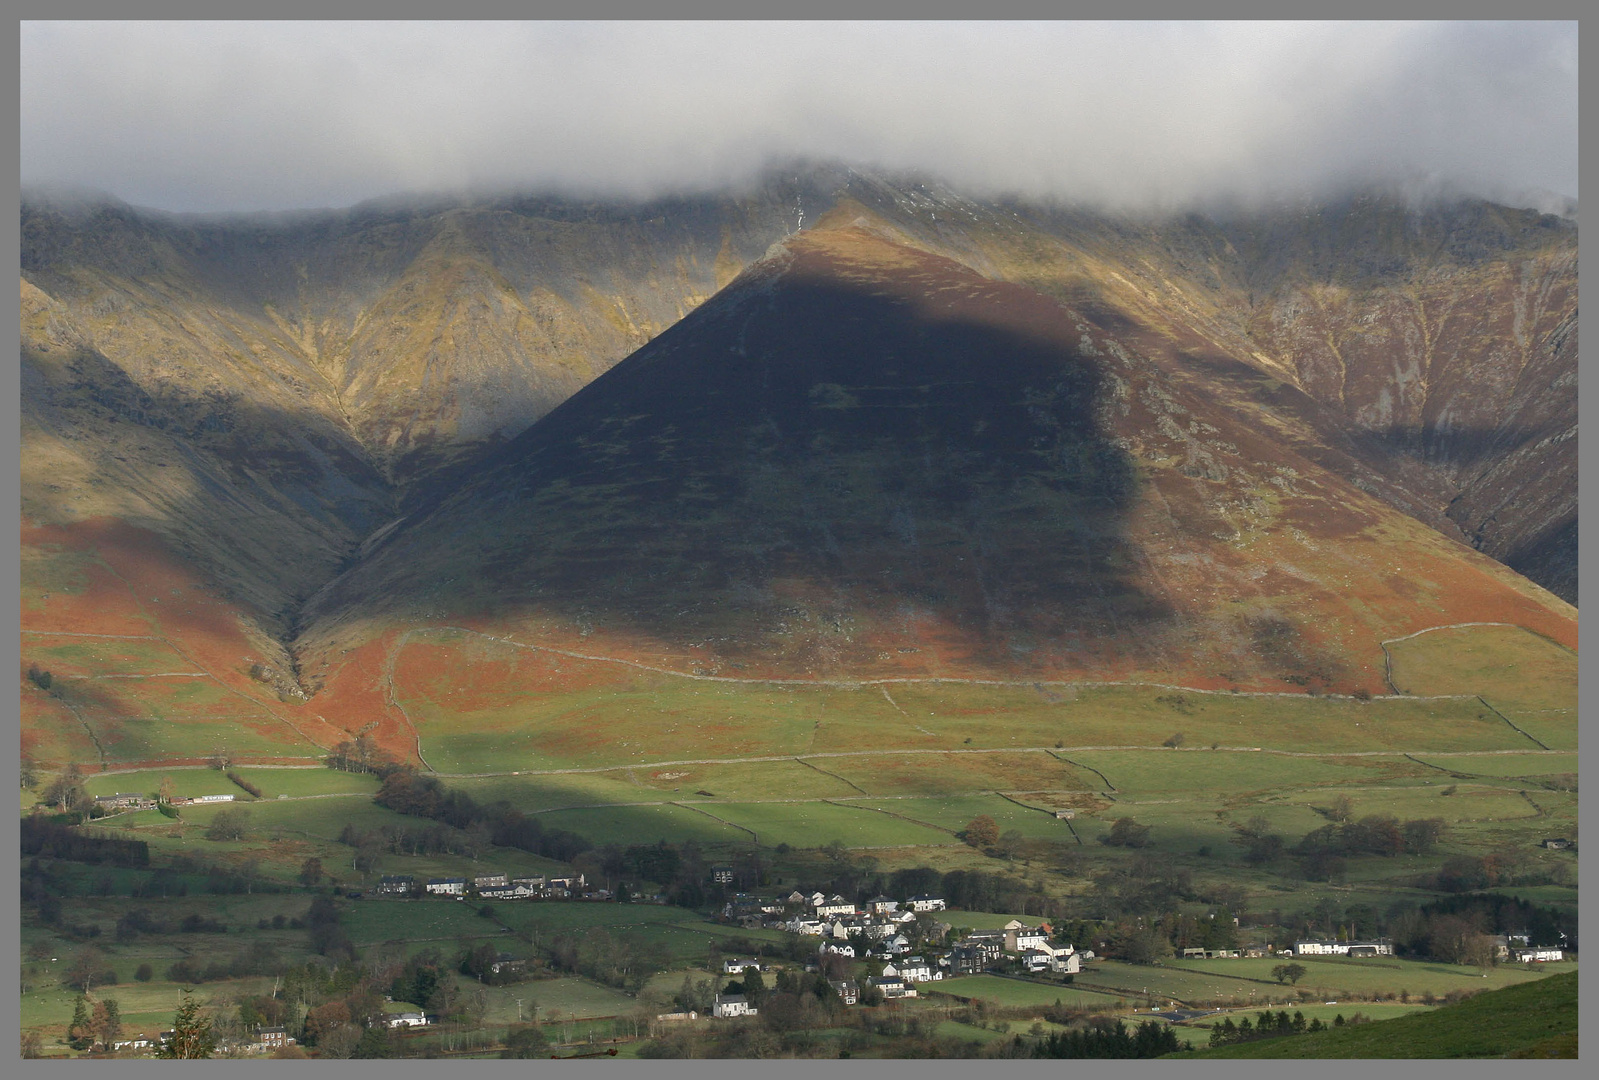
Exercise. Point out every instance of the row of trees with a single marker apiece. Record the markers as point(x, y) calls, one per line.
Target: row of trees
point(407, 792)
point(1268, 1025)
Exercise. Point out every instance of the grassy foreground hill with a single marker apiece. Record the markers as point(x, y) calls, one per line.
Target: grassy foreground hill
point(1533, 1020)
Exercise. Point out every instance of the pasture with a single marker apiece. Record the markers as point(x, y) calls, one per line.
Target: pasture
point(1011, 992)
point(1250, 982)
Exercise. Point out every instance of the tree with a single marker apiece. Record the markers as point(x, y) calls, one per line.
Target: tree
point(66, 790)
point(32, 1045)
point(311, 873)
point(164, 791)
point(1343, 808)
point(1289, 973)
point(191, 1033)
point(145, 973)
point(340, 1042)
point(87, 971)
point(107, 1020)
point(375, 1043)
point(1128, 833)
point(982, 831)
point(229, 824)
point(80, 1032)
point(29, 772)
point(525, 1042)
point(1423, 834)
point(1010, 842)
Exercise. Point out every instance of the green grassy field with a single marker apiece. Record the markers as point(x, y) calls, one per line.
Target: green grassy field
point(1507, 765)
point(1016, 992)
point(1532, 1020)
point(649, 717)
point(194, 781)
point(1507, 665)
point(644, 824)
point(955, 812)
point(1250, 980)
point(811, 824)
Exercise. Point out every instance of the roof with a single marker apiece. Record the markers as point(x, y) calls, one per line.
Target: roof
point(731, 999)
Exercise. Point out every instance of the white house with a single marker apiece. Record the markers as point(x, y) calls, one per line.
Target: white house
point(893, 986)
point(911, 969)
point(734, 966)
point(519, 891)
point(1021, 938)
point(1538, 954)
point(1381, 947)
point(730, 1005)
point(882, 905)
point(842, 950)
point(926, 903)
point(213, 798)
point(406, 1019)
point(835, 905)
point(452, 886)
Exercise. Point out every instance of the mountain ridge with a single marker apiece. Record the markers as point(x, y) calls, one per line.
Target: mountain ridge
point(282, 399)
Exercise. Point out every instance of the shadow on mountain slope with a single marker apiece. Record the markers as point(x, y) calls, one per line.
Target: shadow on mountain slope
point(866, 449)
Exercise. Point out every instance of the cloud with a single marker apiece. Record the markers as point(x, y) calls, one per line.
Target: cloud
point(244, 116)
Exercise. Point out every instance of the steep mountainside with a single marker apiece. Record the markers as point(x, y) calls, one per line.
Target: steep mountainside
point(865, 459)
point(266, 393)
point(934, 473)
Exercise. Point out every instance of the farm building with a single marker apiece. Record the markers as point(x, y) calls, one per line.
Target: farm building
point(121, 800)
point(1538, 954)
point(730, 1005)
point(407, 1019)
point(1380, 947)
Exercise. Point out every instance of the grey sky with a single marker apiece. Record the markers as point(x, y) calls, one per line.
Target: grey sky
point(247, 116)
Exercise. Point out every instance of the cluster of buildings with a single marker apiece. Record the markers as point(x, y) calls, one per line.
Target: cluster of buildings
point(264, 1041)
point(1374, 947)
point(1514, 947)
point(886, 928)
point(492, 887)
point(126, 800)
point(1518, 947)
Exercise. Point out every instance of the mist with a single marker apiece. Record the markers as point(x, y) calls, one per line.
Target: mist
point(212, 117)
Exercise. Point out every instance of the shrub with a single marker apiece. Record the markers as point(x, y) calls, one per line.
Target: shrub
point(145, 973)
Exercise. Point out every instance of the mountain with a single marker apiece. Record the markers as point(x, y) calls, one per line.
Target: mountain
point(839, 423)
point(865, 459)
